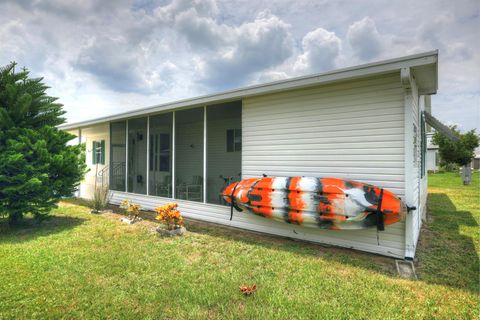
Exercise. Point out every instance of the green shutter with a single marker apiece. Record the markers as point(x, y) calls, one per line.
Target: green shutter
point(102, 154)
point(94, 152)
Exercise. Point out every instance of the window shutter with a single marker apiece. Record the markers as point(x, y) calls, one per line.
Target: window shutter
point(102, 154)
point(94, 152)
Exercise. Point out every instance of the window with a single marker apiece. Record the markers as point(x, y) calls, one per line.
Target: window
point(137, 156)
point(160, 152)
point(191, 154)
point(224, 165)
point(98, 152)
point(117, 155)
point(160, 155)
point(189, 131)
point(234, 140)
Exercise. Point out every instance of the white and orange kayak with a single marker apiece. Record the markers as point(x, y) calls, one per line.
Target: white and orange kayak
point(326, 203)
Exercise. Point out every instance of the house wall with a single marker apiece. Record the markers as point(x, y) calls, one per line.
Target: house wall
point(75, 141)
point(88, 135)
point(353, 129)
point(422, 214)
point(432, 149)
point(416, 185)
point(432, 160)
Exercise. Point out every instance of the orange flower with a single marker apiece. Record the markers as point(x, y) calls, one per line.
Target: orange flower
point(169, 215)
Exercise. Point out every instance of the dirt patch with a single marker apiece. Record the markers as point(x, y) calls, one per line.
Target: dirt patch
point(406, 269)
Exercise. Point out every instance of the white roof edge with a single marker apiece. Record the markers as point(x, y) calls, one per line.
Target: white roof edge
point(425, 58)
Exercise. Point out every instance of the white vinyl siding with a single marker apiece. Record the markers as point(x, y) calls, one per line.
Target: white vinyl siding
point(416, 165)
point(351, 130)
point(88, 135)
point(418, 183)
point(423, 185)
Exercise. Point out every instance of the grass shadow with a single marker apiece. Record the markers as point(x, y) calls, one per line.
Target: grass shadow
point(446, 254)
point(30, 229)
point(372, 262)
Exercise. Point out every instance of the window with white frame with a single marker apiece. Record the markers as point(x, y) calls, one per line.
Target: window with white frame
point(98, 152)
point(234, 140)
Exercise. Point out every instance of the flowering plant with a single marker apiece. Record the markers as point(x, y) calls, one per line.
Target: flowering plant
point(132, 209)
point(169, 216)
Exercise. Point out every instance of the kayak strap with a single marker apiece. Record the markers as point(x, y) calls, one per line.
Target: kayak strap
point(379, 214)
point(232, 202)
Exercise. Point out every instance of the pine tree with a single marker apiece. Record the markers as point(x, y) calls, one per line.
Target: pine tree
point(37, 167)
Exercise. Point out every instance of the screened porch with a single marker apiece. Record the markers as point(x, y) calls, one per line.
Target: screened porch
point(189, 154)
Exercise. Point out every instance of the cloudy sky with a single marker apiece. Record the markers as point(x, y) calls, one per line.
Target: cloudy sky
point(102, 57)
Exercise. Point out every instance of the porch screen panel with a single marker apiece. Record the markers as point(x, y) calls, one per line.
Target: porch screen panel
point(160, 155)
point(224, 148)
point(137, 155)
point(189, 154)
point(117, 155)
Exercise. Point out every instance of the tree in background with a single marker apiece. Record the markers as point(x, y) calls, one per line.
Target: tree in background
point(460, 152)
point(37, 167)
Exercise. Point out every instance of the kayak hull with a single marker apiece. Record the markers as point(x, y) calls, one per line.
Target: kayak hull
point(325, 203)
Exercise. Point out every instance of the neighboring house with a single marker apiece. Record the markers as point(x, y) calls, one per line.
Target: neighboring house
point(476, 159)
point(363, 123)
point(433, 156)
point(433, 160)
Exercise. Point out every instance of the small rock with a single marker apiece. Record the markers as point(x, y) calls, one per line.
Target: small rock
point(175, 232)
point(126, 220)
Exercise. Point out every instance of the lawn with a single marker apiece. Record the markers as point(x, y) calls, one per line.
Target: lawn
point(79, 265)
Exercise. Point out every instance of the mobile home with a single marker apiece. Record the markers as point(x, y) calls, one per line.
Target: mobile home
point(364, 123)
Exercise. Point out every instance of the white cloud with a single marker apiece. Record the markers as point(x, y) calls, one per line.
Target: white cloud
point(462, 109)
point(204, 8)
point(110, 56)
point(202, 32)
point(251, 48)
point(364, 39)
point(321, 49)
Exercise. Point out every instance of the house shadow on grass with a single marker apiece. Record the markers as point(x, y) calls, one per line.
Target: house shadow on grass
point(369, 261)
point(446, 253)
point(30, 229)
point(372, 262)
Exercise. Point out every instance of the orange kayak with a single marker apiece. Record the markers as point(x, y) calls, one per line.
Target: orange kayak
point(326, 203)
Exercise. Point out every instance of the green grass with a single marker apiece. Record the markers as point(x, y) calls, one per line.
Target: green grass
point(79, 265)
